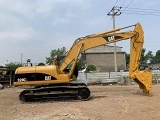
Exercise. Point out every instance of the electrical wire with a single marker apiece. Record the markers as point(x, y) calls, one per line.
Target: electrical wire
point(123, 2)
point(143, 9)
point(111, 17)
point(120, 8)
point(109, 22)
point(127, 5)
point(141, 13)
point(116, 2)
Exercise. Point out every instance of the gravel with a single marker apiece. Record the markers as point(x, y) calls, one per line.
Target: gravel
point(106, 103)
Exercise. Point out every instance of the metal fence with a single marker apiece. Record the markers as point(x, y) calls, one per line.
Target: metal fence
point(112, 78)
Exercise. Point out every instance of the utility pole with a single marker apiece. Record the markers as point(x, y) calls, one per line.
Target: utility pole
point(115, 11)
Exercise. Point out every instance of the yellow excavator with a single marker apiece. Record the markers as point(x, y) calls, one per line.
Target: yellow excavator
point(55, 81)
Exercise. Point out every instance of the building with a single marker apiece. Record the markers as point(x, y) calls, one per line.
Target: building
point(103, 58)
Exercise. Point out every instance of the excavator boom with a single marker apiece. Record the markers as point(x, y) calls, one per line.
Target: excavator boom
point(94, 40)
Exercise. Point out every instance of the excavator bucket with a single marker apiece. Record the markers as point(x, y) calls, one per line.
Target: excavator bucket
point(144, 79)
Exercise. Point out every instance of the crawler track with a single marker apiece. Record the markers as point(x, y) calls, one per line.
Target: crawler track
point(60, 91)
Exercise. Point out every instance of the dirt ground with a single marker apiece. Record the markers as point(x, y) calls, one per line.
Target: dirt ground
point(106, 103)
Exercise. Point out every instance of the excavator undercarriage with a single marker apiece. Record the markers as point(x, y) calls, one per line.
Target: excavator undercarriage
point(78, 91)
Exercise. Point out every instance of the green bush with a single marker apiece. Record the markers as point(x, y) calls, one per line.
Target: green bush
point(91, 68)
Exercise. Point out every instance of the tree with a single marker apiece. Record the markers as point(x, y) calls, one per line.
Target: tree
point(127, 58)
point(150, 57)
point(58, 52)
point(41, 64)
point(80, 64)
point(13, 66)
point(144, 58)
point(157, 57)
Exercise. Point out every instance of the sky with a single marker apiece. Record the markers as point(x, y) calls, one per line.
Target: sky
point(30, 29)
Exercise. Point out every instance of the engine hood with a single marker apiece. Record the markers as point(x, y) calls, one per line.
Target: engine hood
point(37, 69)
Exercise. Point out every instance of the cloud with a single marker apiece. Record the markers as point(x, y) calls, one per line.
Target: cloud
point(19, 35)
point(35, 27)
point(17, 7)
point(10, 22)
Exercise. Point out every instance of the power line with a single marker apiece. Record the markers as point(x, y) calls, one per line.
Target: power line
point(138, 11)
point(142, 9)
point(112, 8)
point(128, 5)
point(112, 18)
point(141, 13)
point(109, 22)
point(116, 2)
point(123, 2)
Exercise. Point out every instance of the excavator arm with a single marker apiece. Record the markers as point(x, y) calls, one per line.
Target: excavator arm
point(143, 78)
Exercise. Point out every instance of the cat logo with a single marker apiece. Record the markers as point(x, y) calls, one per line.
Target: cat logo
point(47, 77)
